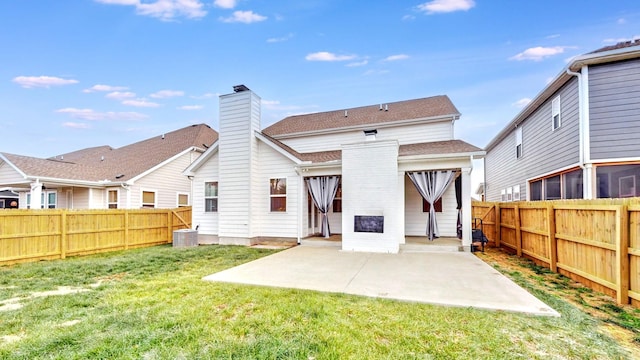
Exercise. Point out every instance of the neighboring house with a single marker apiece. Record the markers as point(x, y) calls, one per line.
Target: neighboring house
point(8, 199)
point(254, 184)
point(144, 174)
point(578, 138)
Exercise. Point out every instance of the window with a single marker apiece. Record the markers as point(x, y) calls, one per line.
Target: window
point(572, 184)
point(518, 142)
point(337, 201)
point(509, 194)
point(535, 190)
point(148, 199)
point(617, 181)
point(278, 194)
point(556, 120)
point(437, 206)
point(516, 193)
point(211, 196)
point(552, 189)
point(112, 199)
point(48, 199)
point(183, 199)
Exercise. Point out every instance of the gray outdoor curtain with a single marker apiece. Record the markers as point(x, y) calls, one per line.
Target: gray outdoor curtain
point(323, 190)
point(432, 185)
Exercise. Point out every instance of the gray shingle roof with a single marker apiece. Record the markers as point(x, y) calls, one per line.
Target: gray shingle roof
point(425, 108)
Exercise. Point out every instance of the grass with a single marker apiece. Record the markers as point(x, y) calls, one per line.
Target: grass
point(152, 304)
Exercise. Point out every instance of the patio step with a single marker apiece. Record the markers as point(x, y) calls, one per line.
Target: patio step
point(320, 242)
point(420, 248)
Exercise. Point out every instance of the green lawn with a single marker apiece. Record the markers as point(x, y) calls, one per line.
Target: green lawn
point(152, 304)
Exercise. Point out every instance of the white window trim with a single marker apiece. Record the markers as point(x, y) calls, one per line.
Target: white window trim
point(518, 142)
point(46, 203)
point(556, 110)
point(155, 197)
point(271, 196)
point(178, 199)
point(117, 198)
point(205, 197)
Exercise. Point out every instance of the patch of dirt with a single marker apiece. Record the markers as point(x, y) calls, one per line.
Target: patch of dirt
point(16, 303)
point(621, 322)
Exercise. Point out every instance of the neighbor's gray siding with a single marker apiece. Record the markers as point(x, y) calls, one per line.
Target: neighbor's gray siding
point(543, 150)
point(614, 97)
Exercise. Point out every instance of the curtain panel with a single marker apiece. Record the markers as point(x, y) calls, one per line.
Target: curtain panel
point(323, 190)
point(431, 185)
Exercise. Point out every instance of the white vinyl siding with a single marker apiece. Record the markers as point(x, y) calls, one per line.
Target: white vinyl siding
point(274, 165)
point(518, 142)
point(167, 182)
point(408, 134)
point(207, 222)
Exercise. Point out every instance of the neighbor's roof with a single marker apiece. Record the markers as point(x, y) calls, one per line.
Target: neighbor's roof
point(417, 109)
point(105, 163)
point(621, 51)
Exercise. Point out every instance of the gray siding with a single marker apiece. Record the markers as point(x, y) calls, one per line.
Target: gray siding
point(543, 150)
point(614, 97)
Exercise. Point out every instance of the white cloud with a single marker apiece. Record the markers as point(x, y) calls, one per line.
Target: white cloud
point(205, 96)
point(522, 103)
point(225, 4)
point(327, 56)
point(622, 21)
point(100, 87)
point(408, 18)
point(246, 17)
point(396, 57)
point(90, 114)
point(164, 9)
point(375, 72)
point(275, 105)
point(119, 95)
point(280, 39)
point(190, 107)
point(163, 94)
point(140, 103)
point(358, 63)
point(75, 125)
point(446, 6)
point(42, 81)
point(538, 53)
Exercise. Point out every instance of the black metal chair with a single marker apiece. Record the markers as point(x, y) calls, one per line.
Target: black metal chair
point(478, 239)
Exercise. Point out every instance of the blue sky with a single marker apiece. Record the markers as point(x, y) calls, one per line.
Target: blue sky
point(82, 73)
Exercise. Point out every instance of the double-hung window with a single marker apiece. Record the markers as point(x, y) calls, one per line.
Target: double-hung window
point(556, 120)
point(518, 142)
point(211, 196)
point(148, 199)
point(278, 194)
point(112, 199)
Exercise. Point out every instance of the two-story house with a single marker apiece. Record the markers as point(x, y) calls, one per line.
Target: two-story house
point(578, 138)
point(374, 174)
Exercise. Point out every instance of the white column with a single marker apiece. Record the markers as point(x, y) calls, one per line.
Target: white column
point(36, 193)
point(466, 208)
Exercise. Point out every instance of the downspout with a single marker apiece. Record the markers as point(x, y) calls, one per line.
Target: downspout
point(300, 203)
point(583, 136)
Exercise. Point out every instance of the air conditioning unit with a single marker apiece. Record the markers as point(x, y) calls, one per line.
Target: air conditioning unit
point(185, 237)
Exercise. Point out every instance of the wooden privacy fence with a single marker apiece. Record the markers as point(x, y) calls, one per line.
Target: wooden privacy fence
point(595, 242)
point(32, 235)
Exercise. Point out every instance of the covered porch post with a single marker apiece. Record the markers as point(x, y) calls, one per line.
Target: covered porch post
point(36, 194)
point(466, 208)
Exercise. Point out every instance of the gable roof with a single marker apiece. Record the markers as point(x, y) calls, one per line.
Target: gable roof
point(619, 52)
point(366, 116)
point(105, 163)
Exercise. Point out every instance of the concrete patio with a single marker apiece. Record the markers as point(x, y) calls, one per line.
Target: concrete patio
point(443, 278)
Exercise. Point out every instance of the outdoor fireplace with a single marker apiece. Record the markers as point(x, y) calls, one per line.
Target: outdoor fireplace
point(370, 224)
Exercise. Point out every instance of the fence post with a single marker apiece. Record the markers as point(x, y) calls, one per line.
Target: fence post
point(126, 229)
point(622, 255)
point(169, 226)
point(63, 235)
point(553, 244)
point(516, 211)
point(496, 225)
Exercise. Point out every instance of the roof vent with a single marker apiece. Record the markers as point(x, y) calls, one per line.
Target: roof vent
point(380, 107)
point(162, 136)
point(240, 88)
point(346, 113)
point(119, 176)
point(101, 158)
point(386, 107)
